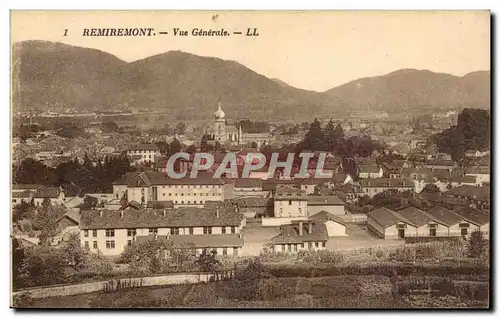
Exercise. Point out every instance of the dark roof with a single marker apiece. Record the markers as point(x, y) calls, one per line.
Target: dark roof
point(387, 183)
point(72, 215)
point(148, 178)
point(199, 241)
point(441, 198)
point(289, 193)
point(386, 217)
point(478, 170)
point(440, 162)
point(445, 216)
point(472, 192)
point(168, 204)
point(24, 194)
point(145, 147)
point(416, 216)
point(290, 234)
point(251, 202)
point(474, 216)
point(152, 218)
point(18, 186)
point(247, 183)
point(324, 216)
point(47, 192)
point(324, 200)
point(408, 172)
point(368, 169)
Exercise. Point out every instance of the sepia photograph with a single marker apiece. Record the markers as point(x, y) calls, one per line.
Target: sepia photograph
point(250, 159)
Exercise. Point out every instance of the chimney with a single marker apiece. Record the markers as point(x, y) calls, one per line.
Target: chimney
point(301, 228)
point(121, 214)
point(100, 213)
point(156, 236)
point(310, 227)
point(217, 212)
point(164, 213)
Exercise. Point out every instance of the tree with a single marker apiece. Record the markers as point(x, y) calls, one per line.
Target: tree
point(175, 147)
point(46, 203)
point(207, 261)
point(330, 138)
point(315, 138)
point(478, 245)
point(89, 203)
point(109, 127)
point(431, 188)
point(147, 257)
point(254, 145)
point(180, 128)
point(32, 171)
point(204, 143)
point(191, 149)
point(18, 259)
point(163, 146)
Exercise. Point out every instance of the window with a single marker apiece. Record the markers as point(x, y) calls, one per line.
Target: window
point(131, 232)
point(301, 245)
point(233, 230)
point(194, 194)
point(182, 194)
point(182, 202)
point(295, 247)
point(316, 244)
point(86, 245)
point(174, 231)
point(289, 202)
point(463, 231)
point(281, 211)
point(153, 231)
point(110, 244)
point(170, 194)
point(235, 251)
point(323, 244)
point(224, 251)
point(94, 233)
point(189, 201)
point(163, 194)
point(129, 242)
point(110, 233)
point(300, 210)
point(86, 233)
point(94, 244)
point(223, 230)
point(432, 232)
point(191, 231)
point(207, 230)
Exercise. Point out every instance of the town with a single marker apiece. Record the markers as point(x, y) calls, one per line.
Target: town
point(112, 200)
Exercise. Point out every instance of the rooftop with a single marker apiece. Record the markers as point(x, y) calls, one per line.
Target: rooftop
point(148, 178)
point(47, 192)
point(198, 241)
point(290, 234)
point(472, 192)
point(156, 218)
point(324, 200)
point(386, 183)
point(289, 193)
point(474, 216)
point(324, 216)
point(416, 216)
point(445, 216)
point(386, 217)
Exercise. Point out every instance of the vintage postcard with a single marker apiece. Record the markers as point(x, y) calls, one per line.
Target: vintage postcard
point(250, 159)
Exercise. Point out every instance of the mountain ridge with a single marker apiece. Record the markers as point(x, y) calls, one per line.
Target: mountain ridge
point(57, 76)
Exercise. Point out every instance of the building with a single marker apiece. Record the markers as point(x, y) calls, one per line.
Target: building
point(330, 204)
point(111, 231)
point(456, 224)
point(53, 194)
point(335, 226)
point(478, 196)
point(66, 226)
point(143, 153)
point(370, 172)
point(426, 224)
point(290, 202)
point(371, 187)
point(300, 236)
point(223, 133)
point(252, 207)
point(478, 220)
point(248, 187)
point(481, 173)
point(157, 186)
point(388, 224)
point(440, 164)
point(20, 197)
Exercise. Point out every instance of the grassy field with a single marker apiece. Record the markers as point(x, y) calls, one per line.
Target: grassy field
point(374, 291)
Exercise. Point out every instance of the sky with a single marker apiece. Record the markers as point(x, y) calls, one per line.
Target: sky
point(314, 50)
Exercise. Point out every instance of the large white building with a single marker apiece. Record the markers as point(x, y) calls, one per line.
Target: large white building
point(216, 228)
point(144, 187)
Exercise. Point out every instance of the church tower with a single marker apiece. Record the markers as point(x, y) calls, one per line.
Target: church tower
point(220, 125)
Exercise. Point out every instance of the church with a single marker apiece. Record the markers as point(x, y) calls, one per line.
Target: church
point(220, 132)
